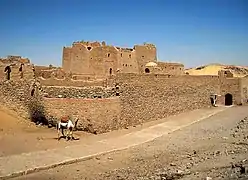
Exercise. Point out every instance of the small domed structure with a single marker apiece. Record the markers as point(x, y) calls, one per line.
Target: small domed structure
point(151, 64)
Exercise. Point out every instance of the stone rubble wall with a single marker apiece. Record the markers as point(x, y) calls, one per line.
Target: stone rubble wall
point(16, 95)
point(70, 82)
point(72, 92)
point(150, 97)
point(97, 107)
point(138, 99)
point(95, 115)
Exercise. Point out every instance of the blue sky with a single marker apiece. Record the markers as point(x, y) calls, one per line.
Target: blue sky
point(193, 32)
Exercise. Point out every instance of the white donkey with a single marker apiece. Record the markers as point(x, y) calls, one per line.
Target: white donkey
point(66, 123)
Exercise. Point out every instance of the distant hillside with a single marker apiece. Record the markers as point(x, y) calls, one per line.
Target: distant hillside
point(212, 69)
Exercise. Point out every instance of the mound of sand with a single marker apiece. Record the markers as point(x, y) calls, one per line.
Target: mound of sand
point(212, 69)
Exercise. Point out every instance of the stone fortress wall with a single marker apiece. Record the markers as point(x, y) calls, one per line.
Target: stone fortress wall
point(95, 59)
point(15, 63)
point(131, 95)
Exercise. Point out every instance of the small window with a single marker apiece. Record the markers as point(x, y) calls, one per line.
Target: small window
point(129, 55)
point(121, 54)
point(89, 48)
point(108, 55)
point(147, 70)
point(126, 65)
point(143, 56)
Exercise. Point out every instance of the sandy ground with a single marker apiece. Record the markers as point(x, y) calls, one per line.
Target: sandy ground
point(216, 148)
point(18, 135)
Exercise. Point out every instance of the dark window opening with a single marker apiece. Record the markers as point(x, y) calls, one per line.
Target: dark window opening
point(108, 54)
point(89, 48)
point(121, 54)
point(126, 65)
point(123, 64)
point(228, 99)
point(147, 70)
point(110, 71)
point(143, 56)
point(129, 55)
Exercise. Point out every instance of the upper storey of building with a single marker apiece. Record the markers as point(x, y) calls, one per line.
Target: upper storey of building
point(98, 58)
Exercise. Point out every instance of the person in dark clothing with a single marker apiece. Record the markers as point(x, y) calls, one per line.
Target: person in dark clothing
point(21, 70)
point(213, 98)
point(33, 68)
point(7, 71)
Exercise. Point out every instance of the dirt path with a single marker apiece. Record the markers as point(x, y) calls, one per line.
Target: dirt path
point(18, 135)
point(216, 148)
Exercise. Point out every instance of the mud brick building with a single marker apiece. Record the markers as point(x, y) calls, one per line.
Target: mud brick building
point(86, 87)
point(101, 60)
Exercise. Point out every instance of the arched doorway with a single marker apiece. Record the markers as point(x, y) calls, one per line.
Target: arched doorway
point(147, 70)
point(110, 71)
point(228, 99)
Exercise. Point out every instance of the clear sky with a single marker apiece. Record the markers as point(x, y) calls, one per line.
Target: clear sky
point(193, 32)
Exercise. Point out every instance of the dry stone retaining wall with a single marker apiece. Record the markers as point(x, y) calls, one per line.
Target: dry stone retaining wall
point(72, 92)
point(147, 98)
point(95, 115)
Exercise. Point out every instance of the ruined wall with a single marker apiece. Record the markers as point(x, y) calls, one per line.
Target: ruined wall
point(150, 97)
point(103, 60)
point(170, 68)
point(73, 92)
point(102, 115)
point(144, 54)
point(70, 82)
point(244, 90)
point(127, 61)
point(66, 59)
point(16, 95)
point(142, 98)
point(15, 74)
point(13, 60)
point(231, 86)
point(90, 59)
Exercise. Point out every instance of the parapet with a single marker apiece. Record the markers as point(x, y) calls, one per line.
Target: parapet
point(95, 44)
point(169, 64)
point(13, 60)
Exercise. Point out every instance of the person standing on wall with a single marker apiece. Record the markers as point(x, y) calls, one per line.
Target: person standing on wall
point(21, 70)
point(33, 68)
point(7, 71)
